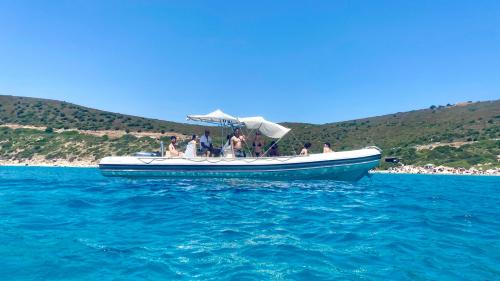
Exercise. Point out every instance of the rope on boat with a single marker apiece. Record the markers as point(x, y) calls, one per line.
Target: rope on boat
point(147, 162)
point(217, 160)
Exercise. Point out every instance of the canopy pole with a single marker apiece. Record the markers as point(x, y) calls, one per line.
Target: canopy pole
point(271, 147)
point(295, 140)
point(222, 136)
point(246, 143)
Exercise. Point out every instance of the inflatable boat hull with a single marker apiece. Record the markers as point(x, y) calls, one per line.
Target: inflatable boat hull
point(348, 165)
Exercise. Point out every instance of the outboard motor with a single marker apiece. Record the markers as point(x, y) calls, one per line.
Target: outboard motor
point(392, 160)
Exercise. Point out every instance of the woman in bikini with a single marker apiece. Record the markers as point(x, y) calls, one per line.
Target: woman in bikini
point(327, 148)
point(305, 149)
point(258, 144)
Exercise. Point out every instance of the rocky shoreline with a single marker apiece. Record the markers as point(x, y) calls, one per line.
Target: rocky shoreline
point(46, 163)
point(439, 170)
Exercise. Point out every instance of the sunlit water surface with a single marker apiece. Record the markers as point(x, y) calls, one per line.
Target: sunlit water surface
point(74, 224)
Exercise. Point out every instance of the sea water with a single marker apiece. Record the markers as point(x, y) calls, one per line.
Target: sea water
point(74, 224)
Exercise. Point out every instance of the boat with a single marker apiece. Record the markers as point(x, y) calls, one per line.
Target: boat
point(343, 165)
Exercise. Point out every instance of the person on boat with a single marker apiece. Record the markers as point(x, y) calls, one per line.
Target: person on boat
point(273, 150)
point(237, 142)
point(172, 149)
point(191, 148)
point(305, 149)
point(226, 150)
point(327, 148)
point(206, 144)
point(258, 144)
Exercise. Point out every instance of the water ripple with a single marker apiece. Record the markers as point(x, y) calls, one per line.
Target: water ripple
point(74, 224)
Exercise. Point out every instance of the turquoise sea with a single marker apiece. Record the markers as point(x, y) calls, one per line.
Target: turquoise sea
point(74, 224)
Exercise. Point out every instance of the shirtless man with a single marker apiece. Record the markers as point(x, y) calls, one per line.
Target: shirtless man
point(237, 142)
point(172, 149)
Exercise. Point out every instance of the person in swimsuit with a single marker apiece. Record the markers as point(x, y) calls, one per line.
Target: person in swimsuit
point(172, 147)
point(237, 142)
point(258, 144)
point(305, 149)
point(273, 150)
point(327, 148)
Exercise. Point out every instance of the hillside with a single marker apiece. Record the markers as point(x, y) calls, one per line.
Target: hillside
point(476, 125)
point(400, 134)
point(60, 114)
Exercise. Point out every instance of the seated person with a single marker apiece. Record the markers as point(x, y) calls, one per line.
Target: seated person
point(237, 142)
point(191, 148)
point(305, 149)
point(206, 144)
point(327, 148)
point(273, 150)
point(172, 149)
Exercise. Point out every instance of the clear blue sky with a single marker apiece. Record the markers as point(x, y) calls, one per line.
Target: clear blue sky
point(308, 61)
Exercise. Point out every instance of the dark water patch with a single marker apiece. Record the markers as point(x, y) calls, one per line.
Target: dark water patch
point(78, 204)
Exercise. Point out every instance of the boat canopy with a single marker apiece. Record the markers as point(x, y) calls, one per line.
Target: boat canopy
point(214, 117)
point(267, 128)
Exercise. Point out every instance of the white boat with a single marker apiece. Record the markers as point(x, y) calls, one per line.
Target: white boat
point(344, 165)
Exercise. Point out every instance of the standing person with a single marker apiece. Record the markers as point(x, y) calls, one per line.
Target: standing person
point(258, 144)
point(172, 147)
point(206, 144)
point(305, 149)
point(327, 148)
point(191, 148)
point(237, 142)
